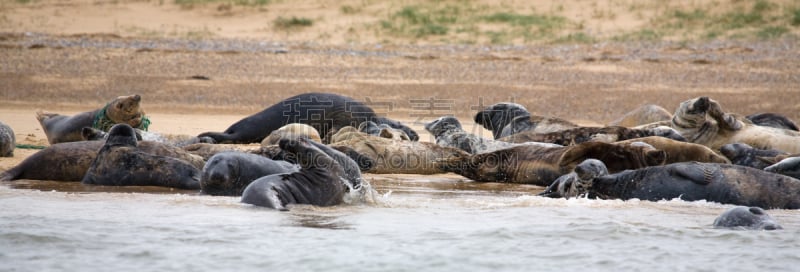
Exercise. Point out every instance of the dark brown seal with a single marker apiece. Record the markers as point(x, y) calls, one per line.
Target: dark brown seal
point(120, 162)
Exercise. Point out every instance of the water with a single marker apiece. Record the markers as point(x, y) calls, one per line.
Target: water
point(420, 223)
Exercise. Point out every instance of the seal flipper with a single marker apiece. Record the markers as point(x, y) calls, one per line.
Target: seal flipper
point(693, 172)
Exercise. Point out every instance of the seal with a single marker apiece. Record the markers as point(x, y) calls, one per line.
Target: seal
point(789, 167)
point(7, 141)
point(121, 163)
point(536, 124)
point(69, 161)
point(382, 130)
point(394, 157)
point(747, 218)
point(323, 111)
point(772, 120)
point(124, 109)
point(745, 155)
point(543, 165)
point(321, 181)
point(646, 114)
point(228, 173)
point(179, 140)
point(497, 116)
point(689, 181)
point(291, 131)
point(449, 133)
point(678, 151)
point(584, 134)
point(691, 119)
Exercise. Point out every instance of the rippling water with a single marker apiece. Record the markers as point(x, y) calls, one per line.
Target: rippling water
point(436, 223)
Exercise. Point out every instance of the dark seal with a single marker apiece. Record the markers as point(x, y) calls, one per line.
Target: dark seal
point(322, 181)
point(323, 111)
point(746, 155)
point(497, 116)
point(689, 181)
point(747, 218)
point(120, 162)
point(70, 161)
point(772, 120)
point(228, 173)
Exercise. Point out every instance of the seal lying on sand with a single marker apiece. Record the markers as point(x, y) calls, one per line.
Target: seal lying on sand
point(383, 130)
point(395, 157)
point(323, 111)
point(645, 114)
point(322, 181)
point(70, 161)
point(789, 167)
point(505, 119)
point(746, 155)
point(449, 133)
point(291, 131)
point(584, 134)
point(228, 173)
point(179, 140)
point(691, 119)
point(121, 163)
point(541, 166)
point(690, 181)
point(678, 151)
point(750, 218)
point(122, 110)
point(7, 141)
point(772, 120)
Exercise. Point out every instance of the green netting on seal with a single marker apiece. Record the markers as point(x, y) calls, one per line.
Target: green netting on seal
point(102, 122)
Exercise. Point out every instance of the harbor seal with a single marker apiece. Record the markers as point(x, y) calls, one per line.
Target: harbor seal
point(584, 134)
point(228, 173)
point(323, 111)
point(702, 120)
point(322, 181)
point(772, 120)
point(7, 141)
point(292, 131)
point(121, 163)
point(689, 181)
point(382, 130)
point(678, 151)
point(495, 117)
point(69, 161)
point(746, 155)
point(179, 140)
point(748, 218)
point(448, 132)
point(536, 124)
point(541, 165)
point(124, 109)
point(395, 157)
point(789, 167)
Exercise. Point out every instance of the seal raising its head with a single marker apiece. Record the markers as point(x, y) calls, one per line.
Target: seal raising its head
point(120, 162)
